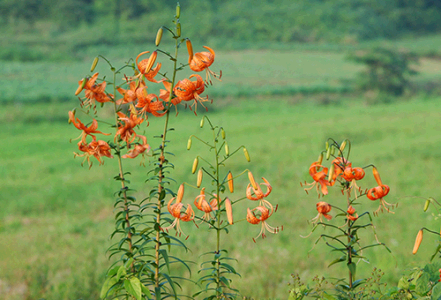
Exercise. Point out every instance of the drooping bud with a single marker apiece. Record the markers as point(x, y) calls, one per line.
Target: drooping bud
point(189, 144)
point(223, 133)
point(229, 210)
point(418, 241)
point(247, 155)
point(178, 11)
point(81, 87)
point(199, 180)
point(94, 63)
point(252, 181)
point(332, 150)
point(320, 159)
point(190, 50)
point(342, 146)
point(72, 116)
point(150, 62)
point(377, 176)
point(180, 194)
point(202, 122)
point(328, 152)
point(331, 172)
point(326, 145)
point(230, 182)
point(426, 205)
point(195, 165)
point(178, 29)
point(159, 36)
point(227, 149)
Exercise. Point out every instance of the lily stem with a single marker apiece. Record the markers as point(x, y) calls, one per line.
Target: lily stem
point(123, 182)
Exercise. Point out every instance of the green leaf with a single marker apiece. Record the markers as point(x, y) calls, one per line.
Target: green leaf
point(341, 259)
point(353, 268)
point(146, 291)
point(228, 267)
point(436, 292)
point(133, 287)
point(110, 281)
point(170, 281)
point(128, 262)
point(403, 283)
point(121, 272)
point(162, 195)
point(225, 281)
point(165, 255)
point(158, 293)
point(422, 284)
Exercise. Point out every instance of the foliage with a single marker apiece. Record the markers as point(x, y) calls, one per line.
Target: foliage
point(388, 71)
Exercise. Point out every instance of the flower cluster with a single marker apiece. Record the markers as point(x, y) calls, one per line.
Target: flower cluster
point(135, 93)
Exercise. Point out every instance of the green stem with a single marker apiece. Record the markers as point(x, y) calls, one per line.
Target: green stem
point(121, 175)
point(161, 171)
point(349, 240)
point(218, 230)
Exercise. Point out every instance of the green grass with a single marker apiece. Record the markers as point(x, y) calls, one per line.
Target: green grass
point(57, 215)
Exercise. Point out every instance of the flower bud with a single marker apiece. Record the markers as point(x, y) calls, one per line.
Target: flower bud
point(331, 172)
point(178, 11)
point(150, 62)
point(199, 180)
point(229, 210)
point(377, 176)
point(94, 63)
point(189, 144)
point(247, 155)
point(178, 29)
point(328, 152)
point(190, 50)
point(223, 133)
point(342, 146)
point(81, 87)
point(202, 122)
point(159, 36)
point(230, 182)
point(418, 241)
point(180, 193)
point(320, 159)
point(426, 205)
point(252, 181)
point(195, 165)
point(227, 149)
point(326, 145)
point(332, 150)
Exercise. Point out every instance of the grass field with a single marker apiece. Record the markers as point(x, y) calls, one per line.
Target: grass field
point(57, 216)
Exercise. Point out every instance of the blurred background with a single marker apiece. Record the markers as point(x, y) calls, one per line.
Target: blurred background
point(294, 74)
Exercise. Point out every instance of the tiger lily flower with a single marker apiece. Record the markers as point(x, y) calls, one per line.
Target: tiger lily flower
point(320, 178)
point(93, 91)
point(147, 105)
point(187, 90)
point(323, 209)
point(352, 175)
point(254, 188)
point(86, 130)
point(351, 212)
point(94, 148)
point(176, 210)
point(201, 61)
point(138, 149)
point(378, 193)
point(126, 131)
point(259, 215)
point(201, 203)
point(129, 95)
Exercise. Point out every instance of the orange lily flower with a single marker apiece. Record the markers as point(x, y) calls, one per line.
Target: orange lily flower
point(201, 203)
point(352, 175)
point(147, 105)
point(126, 131)
point(378, 193)
point(351, 212)
point(145, 66)
point(176, 211)
point(138, 149)
point(86, 130)
point(129, 95)
point(201, 61)
point(95, 148)
point(259, 215)
point(254, 188)
point(165, 94)
point(323, 209)
point(320, 178)
point(93, 91)
point(187, 90)
point(340, 164)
